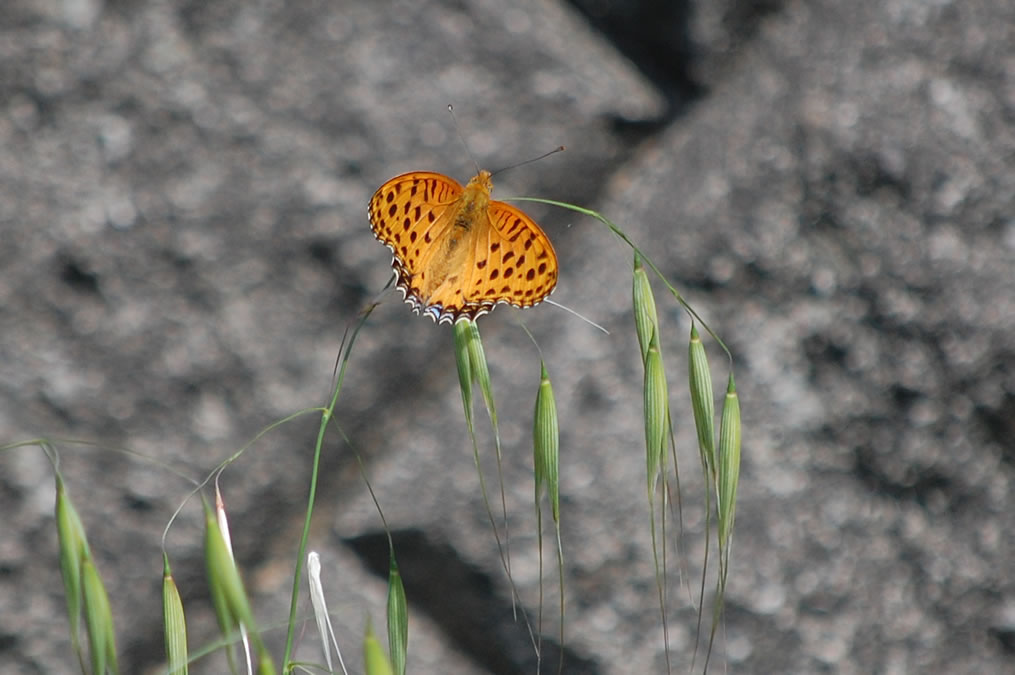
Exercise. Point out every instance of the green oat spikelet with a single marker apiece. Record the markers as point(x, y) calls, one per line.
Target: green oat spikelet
point(98, 620)
point(73, 545)
point(481, 374)
point(265, 665)
point(728, 468)
point(220, 570)
point(546, 444)
point(702, 402)
point(546, 465)
point(656, 415)
point(398, 617)
point(374, 660)
point(463, 335)
point(229, 597)
point(472, 367)
point(657, 431)
point(174, 622)
point(646, 320)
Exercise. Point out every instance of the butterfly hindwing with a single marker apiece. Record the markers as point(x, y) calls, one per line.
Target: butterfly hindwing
point(522, 257)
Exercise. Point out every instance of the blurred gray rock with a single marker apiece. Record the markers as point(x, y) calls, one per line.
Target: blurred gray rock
point(183, 191)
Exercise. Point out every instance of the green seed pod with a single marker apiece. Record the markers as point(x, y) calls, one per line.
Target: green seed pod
point(729, 462)
point(646, 321)
point(702, 403)
point(98, 620)
point(477, 363)
point(398, 618)
point(174, 622)
point(656, 406)
point(73, 550)
point(374, 660)
point(463, 336)
point(228, 594)
point(546, 444)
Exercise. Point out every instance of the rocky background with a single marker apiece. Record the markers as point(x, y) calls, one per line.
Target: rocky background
point(183, 191)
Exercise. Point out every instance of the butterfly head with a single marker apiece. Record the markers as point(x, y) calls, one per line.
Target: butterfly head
point(481, 181)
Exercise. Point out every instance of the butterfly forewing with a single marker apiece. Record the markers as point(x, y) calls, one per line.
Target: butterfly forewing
point(405, 210)
point(409, 213)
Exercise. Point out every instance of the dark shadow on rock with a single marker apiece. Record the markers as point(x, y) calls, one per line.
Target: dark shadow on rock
point(466, 604)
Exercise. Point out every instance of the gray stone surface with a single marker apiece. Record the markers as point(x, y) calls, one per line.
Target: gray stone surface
point(184, 241)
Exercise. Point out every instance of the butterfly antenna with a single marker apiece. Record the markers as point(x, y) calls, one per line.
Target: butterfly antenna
point(560, 148)
point(458, 132)
point(571, 311)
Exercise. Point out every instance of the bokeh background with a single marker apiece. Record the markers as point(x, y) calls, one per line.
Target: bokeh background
point(183, 241)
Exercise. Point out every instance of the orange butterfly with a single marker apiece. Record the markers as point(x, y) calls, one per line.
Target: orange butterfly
point(458, 253)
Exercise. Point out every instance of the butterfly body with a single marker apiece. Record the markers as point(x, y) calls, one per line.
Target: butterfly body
point(457, 253)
